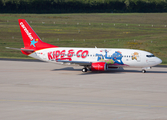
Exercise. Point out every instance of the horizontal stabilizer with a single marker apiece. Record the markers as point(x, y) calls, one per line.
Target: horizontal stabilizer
point(20, 49)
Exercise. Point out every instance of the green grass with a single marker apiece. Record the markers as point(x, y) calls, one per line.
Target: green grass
point(105, 30)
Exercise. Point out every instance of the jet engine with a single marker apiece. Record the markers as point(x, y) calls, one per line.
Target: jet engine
point(99, 66)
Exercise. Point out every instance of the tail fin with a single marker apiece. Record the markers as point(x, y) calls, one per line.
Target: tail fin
point(30, 38)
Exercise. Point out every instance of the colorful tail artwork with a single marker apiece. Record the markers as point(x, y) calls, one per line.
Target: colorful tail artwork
point(30, 38)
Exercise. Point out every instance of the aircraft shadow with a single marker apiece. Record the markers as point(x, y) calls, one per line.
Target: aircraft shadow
point(120, 71)
point(67, 69)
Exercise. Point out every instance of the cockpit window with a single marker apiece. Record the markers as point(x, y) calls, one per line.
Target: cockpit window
point(150, 56)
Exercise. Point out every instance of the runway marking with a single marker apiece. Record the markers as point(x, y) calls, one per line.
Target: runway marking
point(85, 103)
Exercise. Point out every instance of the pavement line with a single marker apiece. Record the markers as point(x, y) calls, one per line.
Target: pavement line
point(80, 103)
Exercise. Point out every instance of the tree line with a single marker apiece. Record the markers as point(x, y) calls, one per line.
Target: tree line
point(82, 6)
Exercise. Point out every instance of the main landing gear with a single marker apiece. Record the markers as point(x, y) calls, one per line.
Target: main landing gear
point(84, 69)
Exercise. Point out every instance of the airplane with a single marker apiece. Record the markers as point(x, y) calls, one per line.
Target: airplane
point(93, 59)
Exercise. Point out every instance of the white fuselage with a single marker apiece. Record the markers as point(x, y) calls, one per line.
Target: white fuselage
point(113, 57)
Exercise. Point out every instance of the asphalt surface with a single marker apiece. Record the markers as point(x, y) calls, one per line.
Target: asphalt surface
point(44, 91)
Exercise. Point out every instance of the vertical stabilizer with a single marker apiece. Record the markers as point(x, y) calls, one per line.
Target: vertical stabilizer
point(30, 38)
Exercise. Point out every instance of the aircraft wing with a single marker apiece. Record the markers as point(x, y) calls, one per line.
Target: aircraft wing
point(81, 63)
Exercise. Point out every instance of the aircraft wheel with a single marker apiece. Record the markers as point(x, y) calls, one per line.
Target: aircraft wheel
point(84, 70)
point(143, 71)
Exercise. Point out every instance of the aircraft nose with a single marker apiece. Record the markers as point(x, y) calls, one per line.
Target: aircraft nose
point(159, 61)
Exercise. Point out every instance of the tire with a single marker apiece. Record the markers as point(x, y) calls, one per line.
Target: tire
point(143, 71)
point(84, 70)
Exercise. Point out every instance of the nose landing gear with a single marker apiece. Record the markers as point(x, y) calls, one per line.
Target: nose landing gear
point(143, 71)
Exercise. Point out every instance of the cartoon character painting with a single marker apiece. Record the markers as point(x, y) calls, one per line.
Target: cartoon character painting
point(135, 55)
point(100, 57)
point(115, 58)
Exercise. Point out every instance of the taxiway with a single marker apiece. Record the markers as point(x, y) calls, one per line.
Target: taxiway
point(45, 91)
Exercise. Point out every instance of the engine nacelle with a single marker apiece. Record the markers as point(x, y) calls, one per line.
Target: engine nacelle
point(99, 66)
